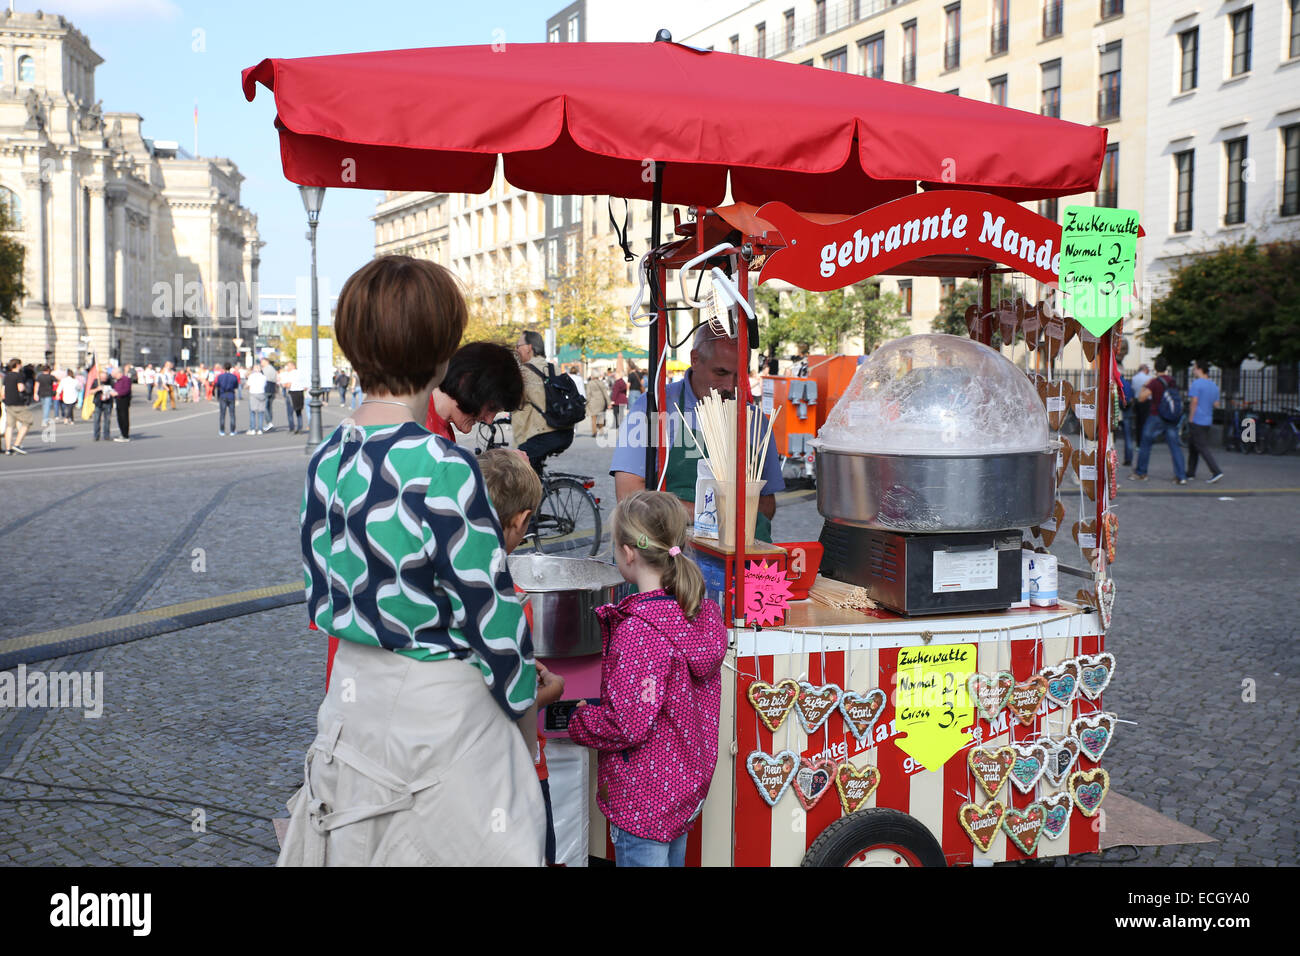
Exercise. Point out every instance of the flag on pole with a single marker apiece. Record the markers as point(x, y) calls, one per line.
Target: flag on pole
point(92, 379)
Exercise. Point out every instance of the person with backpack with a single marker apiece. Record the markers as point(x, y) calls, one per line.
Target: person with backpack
point(1166, 410)
point(543, 424)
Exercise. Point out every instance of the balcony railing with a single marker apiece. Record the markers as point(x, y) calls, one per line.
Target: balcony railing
point(952, 54)
point(1108, 99)
point(835, 16)
point(909, 68)
point(1053, 17)
point(998, 39)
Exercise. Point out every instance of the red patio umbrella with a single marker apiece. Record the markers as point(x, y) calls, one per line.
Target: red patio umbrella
point(594, 118)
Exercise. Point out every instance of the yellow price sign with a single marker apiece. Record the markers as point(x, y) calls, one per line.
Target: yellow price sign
point(931, 706)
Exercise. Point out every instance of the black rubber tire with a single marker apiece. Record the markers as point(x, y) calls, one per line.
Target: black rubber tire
point(1282, 440)
point(568, 521)
point(875, 827)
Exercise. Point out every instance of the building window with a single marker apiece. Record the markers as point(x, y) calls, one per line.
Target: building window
point(1108, 188)
point(26, 70)
point(1241, 24)
point(905, 293)
point(909, 51)
point(837, 61)
point(735, 43)
point(946, 288)
point(1052, 18)
point(1111, 8)
point(553, 35)
point(1051, 105)
point(1291, 170)
point(1293, 48)
point(819, 18)
point(998, 90)
point(760, 40)
point(1108, 91)
point(998, 32)
point(789, 30)
point(573, 29)
point(552, 253)
point(12, 206)
point(1235, 209)
point(1049, 209)
point(557, 212)
point(1188, 41)
point(1184, 168)
point(575, 209)
point(872, 52)
point(952, 36)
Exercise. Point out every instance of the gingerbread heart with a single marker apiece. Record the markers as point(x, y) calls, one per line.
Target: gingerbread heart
point(1089, 788)
point(1106, 600)
point(1096, 670)
point(973, 320)
point(991, 767)
point(1085, 467)
point(1035, 379)
point(1085, 410)
point(1057, 806)
point(1057, 396)
point(773, 702)
point(861, 711)
point(1112, 471)
point(1109, 535)
point(990, 693)
point(855, 786)
point(814, 704)
point(1031, 324)
point(1064, 457)
point(981, 823)
point(1025, 698)
point(1062, 752)
point(1053, 336)
point(1085, 534)
point(1009, 321)
point(812, 780)
point(1025, 826)
point(1048, 529)
point(1088, 341)
point(1031, 761)
point(772, 773)
point(1095, 732)
point(1062, 682)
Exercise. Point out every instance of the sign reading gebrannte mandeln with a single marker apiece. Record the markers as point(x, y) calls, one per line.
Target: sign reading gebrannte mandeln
point(1099, 253)
point(820, 256)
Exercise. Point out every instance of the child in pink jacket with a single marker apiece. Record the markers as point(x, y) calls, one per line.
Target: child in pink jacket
point(656, 726)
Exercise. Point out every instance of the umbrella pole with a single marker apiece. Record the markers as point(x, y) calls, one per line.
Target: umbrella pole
point(654, 394)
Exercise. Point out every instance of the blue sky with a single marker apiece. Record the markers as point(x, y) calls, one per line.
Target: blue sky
point(160, 56)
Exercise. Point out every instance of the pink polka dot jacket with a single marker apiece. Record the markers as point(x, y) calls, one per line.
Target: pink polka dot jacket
point(656, 726)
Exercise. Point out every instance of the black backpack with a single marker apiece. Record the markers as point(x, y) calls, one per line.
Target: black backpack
point(1171, 402)
point(565, 406)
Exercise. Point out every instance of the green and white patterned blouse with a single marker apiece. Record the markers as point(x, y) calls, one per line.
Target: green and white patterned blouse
point(403, 550)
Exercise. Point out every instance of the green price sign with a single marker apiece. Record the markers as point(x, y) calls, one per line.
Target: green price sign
point(1098, 253)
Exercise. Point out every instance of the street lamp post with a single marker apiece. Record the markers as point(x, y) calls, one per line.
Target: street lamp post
point(312, 197)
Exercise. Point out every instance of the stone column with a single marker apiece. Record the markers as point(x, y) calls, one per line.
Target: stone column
point(117, 203)
point(98, 252)
point(37, 273)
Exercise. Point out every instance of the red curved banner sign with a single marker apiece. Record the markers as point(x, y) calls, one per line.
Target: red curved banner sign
point(820, 256)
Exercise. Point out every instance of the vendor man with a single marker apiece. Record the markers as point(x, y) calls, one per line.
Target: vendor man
point(713, 366)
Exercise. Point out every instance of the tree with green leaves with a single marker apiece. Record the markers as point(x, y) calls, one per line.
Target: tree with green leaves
point(951, 317)
point(587, 316)
point(13, 257)
point(1238, 301)
point(823, 319)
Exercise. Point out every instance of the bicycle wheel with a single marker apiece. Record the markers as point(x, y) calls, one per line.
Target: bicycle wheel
point(568, 521)
point(1282, 440)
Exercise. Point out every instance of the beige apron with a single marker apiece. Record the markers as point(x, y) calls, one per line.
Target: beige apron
point(414, 764)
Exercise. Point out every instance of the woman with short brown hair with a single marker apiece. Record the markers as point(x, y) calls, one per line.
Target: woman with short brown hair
point(418, 758)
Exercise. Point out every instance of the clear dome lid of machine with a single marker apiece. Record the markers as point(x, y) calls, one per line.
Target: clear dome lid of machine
point(937, 395)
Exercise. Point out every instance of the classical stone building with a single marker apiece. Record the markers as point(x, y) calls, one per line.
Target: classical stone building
point(129, 240)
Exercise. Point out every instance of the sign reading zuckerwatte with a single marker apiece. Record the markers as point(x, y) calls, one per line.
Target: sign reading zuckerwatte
point(1098, 254)
point(824, 256)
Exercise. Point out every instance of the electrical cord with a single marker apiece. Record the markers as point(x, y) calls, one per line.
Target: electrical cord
point(142, 796)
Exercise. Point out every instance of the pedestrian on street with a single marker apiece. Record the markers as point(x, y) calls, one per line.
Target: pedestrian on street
point(354, 384)
point(150, 377)
point(341, 384)
point(1202, 396)
point(597, 403)
point(122, 400)
point(272, 386)
point(533, 435)
point(69, 396)
point(1140, 407)
point(226, 387)
point(105, 393)
point(45, 389)
point(618, 399)
point(181, 379)
point(19, 416)
point(633, 383)
point(448, 716)
point(294, 386)
point(482, 380)
point(164, 388)
point(256, 401)
point(1157, 425)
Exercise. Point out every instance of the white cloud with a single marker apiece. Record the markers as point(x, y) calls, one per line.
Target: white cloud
point(92, 9)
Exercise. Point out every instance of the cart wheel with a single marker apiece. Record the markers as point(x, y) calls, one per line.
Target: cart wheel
point(875, 837)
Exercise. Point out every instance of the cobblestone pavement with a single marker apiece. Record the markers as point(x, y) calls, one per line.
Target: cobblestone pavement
point(215, 719)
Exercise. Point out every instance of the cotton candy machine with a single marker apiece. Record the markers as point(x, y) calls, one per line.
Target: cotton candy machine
point(936, 435)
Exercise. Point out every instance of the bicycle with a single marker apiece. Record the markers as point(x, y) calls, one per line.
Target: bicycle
point(1285, 432)
point(568, 519)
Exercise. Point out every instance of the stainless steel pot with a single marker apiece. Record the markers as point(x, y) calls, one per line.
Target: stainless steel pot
point(564, 594)
point(930, 493)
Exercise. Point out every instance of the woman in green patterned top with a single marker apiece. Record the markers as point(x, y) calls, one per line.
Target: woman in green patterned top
point(423, 739)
